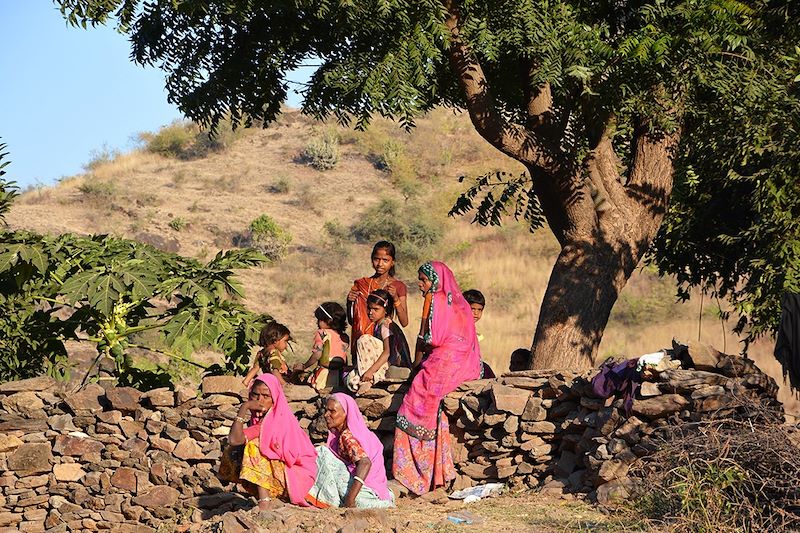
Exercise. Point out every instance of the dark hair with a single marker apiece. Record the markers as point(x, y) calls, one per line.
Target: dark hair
point(520, 360)
point(389, 247)
point(474, 296)
point(272, 333)
point(335, 316)
point(384, 299)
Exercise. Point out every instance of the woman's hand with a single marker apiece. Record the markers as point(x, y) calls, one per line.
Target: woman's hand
point(298, 367)
point(392, 290)
point(368, 376)
point(352, 295)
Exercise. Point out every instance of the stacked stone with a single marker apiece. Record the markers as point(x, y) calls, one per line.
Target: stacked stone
point(125, 460)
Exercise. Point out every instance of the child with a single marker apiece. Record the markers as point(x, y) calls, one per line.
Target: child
point(274, 339)
point(383, 262)
point(520, 360)
point(383, 344)
point(329, 351)
point(477, 303)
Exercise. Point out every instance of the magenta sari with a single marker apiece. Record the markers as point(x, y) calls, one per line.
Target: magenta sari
point(422, 458)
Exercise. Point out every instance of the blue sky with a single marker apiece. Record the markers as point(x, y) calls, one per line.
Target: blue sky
point(68, 92)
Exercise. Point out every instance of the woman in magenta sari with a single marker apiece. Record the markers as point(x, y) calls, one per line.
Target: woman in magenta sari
point(422, 456)
point(279, 460)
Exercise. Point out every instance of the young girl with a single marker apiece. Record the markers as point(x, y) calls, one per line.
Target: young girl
point(383, 261)
point(383, 344)
point(329, 350)
point(274, 339)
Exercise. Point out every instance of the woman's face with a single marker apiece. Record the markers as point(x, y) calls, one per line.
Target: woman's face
point(382, 262)
point(424, 284)
point(335, 416)
point(259, 392)
point(375, 312)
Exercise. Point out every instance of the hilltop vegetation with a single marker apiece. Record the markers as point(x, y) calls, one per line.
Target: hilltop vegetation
point(385, 183)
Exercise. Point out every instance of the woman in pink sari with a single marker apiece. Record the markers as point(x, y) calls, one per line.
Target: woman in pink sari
point(279, 460)
point(422, 456)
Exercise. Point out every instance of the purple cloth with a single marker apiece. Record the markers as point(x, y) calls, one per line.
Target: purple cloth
point(618, 377)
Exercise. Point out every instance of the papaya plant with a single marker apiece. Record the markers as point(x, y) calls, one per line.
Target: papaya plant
point(110, 291)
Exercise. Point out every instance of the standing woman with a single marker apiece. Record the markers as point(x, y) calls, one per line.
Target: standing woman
point(383, 261)
point(279, 460)
point(422, 456)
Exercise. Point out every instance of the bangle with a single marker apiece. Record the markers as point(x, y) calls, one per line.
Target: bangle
point(240, 419)
point(359, 479)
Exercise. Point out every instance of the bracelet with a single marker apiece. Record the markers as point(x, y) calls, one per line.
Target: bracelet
point(359, 479)
point(240, 419)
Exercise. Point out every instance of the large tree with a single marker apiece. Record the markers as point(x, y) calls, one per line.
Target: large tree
point(607, 103)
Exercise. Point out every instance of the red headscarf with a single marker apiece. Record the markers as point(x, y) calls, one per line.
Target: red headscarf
point(281, 438)
point(376, 478)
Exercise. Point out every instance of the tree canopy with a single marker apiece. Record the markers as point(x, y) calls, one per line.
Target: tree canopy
point(608, 105)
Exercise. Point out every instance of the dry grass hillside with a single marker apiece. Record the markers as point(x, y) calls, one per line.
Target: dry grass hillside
point(196, 204)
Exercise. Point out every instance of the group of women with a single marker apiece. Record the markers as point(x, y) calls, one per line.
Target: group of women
point(279, 460)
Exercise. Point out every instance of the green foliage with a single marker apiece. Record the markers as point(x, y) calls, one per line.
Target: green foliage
point(100, 157)
point(186, 140)
point(410, 227)
point(267, 236)
point(322, 152)
point(97, 190)
point(105, 290)
point(394, 160)
point(8, 189)
point(178, 223)
point(279, 186)
point(725, 72)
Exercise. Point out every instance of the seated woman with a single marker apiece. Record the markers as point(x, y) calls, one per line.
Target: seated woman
point(350, 470)
point(279, 459)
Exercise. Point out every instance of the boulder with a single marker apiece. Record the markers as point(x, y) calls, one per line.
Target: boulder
point(9, 443)
point(534, 412)
point(37, 384)
point(188, 449)
point(68, 472)
point(231, 385)
point(162, 397)
point(614, 492)
point(26, 404)
point(76, 444)
point(31, 458)
point(659, 406)
point(509, 399)
point(158, 496)
point(124, 399)
point(61, 423)
point(86, 399)
point(183, 394)
point(124, 478)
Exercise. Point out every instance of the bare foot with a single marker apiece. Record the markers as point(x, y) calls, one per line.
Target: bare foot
point(264, 505)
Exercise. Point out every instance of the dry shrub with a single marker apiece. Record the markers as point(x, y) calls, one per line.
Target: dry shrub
point(723, 475)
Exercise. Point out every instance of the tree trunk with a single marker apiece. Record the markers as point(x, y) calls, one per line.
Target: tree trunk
point(584, 285)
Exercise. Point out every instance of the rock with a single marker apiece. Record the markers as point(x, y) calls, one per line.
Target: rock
point(708, 390)
point(61, 423)
point(614, 492)
point(231, 385)
point(30, 458)
point(566, 464)
point(162, 444)
point(520, 382)
point(631, 430)
point(188, 449)
point(26, 425)
point(659, 406)
point(39, 383)
point(162, 397)
point(10, 519)
point(648, 389)
point(183, 394)
point(511, 424)
point(509, 399)
point(543, 427)
point(505, 472)
point(86, 399)
point(9, 443)
point(476, 471)
point(134, 444)
point(124, 399)
point(124, 478)
point(703, 356)
point(25, 404)
point(110, 417)
point(158, 496)
point(130, 428)
point(534, 412)
point(74, 445)
point(613, 469)
point(68, 472)
point(33, 482)
point(295, 393)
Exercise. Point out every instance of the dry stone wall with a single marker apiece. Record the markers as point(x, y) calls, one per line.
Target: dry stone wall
point(125, 460)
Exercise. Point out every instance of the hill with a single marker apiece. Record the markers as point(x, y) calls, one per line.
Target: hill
point(183, 193)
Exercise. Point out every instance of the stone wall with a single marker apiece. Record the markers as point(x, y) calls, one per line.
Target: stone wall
point(125, 460)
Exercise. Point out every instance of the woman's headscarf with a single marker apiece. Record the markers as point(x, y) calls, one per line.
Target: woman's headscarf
point(281, 438)
point(376, 478)
point(450, 315)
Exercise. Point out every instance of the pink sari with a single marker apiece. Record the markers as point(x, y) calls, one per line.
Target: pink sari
point(281, 438)
point(376, 479)
point(422, 458)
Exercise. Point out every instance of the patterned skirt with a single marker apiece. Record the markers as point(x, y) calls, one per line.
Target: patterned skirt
point(334, 480)
point(258, 471)
point(423, 465)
